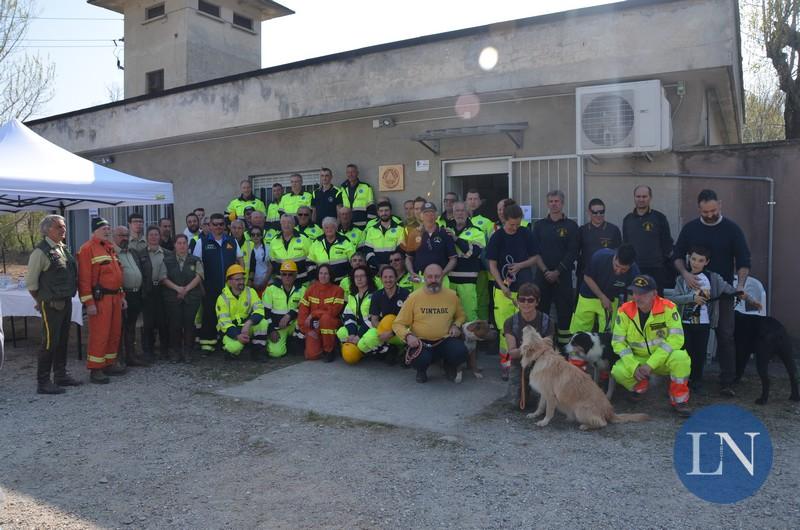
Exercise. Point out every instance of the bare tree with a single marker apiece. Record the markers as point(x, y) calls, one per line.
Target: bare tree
point(25, 79)
point(778, 29)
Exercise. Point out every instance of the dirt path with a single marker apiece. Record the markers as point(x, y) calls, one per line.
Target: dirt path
point(158, 448)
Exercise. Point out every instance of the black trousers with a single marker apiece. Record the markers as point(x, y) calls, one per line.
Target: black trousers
point(452, 351)
point(181, 323)
point(664, 277)
point(562, 295)
point(726, 347)
point(208, 330)
point(56, 317)
point(696, 344)
point(154, 320)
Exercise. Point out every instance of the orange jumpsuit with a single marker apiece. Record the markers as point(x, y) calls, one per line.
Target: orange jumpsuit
point(98, 266)
point(324, 303)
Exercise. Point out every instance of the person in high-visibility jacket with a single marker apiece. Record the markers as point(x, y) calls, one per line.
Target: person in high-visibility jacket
point(470, 242)
point(398, 263)
point(648, 337)
point(384, 303)
point(304, 224)
point(272, 222)
point(474, 202)
point(332, 248)
point(240, 315)
point(355, 318)
point(295, 197)
point(319, 315)
point(346, 227)
point(289, 245)
point(358, 196)
point(100, 291)
point(237, 205)
point(282, 303)
point(383, 238)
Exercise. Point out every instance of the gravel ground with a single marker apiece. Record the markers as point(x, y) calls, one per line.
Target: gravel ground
point(157, 448)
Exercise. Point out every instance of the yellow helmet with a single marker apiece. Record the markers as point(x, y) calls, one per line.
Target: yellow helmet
point(232, 216)
point(288, 266)
point(386, 323)
point(350, 353)
point(234, 269)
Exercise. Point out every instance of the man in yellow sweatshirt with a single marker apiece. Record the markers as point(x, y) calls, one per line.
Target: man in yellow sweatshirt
point(430, 324)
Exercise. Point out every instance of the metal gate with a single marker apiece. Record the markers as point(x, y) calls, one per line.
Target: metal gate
point(529, 180)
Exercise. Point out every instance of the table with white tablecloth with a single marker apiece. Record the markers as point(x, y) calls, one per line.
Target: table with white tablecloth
point(19, 303)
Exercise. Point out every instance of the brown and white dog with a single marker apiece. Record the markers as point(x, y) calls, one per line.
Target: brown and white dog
point(475, 331)
point(566, 387)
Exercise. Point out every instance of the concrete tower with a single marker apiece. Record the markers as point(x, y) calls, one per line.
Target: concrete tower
point(172, 43)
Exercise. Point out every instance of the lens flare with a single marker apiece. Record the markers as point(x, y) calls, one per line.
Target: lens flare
point(468, 106)
point(488, 58)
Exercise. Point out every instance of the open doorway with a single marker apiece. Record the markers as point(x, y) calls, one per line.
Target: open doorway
point(493, 189)
point(488, 175)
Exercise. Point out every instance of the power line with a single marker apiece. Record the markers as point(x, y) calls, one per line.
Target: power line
point(62, 18)
point(70, 40)
point(70, 46)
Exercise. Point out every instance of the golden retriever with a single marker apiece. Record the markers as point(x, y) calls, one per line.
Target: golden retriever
point(566, 387)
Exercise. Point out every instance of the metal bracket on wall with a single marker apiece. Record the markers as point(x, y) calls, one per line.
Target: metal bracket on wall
point(430, 139)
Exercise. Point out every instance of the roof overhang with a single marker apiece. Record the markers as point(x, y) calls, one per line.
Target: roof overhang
point(267, 8)
point(430, 139)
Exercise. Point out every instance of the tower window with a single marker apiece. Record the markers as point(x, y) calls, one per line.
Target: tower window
point(242, 21)
point(154, 11)
point(155, 81)
point(208, 8)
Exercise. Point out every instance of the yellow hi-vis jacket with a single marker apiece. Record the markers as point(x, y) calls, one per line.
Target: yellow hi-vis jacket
point(233, 311)
point(662, 334)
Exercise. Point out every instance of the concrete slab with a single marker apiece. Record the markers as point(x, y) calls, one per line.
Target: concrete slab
point(372, 391)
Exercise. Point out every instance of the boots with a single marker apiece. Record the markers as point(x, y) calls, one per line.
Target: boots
point(48, 387)
point(98, 377)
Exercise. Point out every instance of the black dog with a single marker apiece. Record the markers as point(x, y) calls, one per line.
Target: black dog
point(765, 337)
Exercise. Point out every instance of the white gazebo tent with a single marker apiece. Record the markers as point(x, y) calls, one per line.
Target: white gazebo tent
point(38, 175)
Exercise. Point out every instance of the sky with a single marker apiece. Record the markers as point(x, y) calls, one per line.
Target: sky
point(79, 38)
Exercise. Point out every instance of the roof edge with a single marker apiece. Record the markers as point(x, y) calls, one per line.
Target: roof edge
point(620, 5)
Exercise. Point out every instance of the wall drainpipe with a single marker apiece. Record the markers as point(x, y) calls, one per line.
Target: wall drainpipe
point(770, 204)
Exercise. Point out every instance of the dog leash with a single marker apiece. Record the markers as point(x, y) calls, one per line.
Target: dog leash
point(522, 385)
point(413, 353)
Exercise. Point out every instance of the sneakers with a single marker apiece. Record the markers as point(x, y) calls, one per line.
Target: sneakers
point(67, 381)
point(682, 409)
point(504, 370)
point(49, 387)
point(98, 377)
point(422, 376)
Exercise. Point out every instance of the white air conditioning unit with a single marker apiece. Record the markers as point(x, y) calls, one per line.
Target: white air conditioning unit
point(622, 118)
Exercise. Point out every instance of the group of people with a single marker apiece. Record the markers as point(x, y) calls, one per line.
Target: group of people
point(337, 269)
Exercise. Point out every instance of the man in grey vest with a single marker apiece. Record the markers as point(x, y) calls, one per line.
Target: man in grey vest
point(52, 281)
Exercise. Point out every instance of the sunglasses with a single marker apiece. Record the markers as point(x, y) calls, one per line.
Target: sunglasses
point(598, 212)
point(218, 224)
point(527, 299)
point(287, 274)
point(303, 215)
point(255, 234)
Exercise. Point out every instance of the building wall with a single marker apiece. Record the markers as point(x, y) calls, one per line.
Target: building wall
point(747, 204)
point(591, 46)
point(190, 46)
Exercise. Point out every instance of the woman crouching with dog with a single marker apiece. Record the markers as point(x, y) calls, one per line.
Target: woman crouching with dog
point(528, 314)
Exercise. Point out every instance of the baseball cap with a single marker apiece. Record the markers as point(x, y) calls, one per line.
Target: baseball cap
point(428, 207)
point(643, 284)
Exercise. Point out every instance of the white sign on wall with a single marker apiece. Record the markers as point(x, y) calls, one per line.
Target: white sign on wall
point(423, 165)
point(527, 212)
